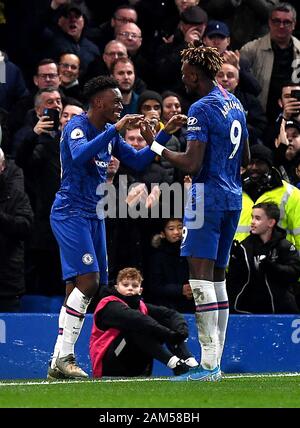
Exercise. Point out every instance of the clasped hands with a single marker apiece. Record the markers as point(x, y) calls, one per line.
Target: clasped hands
point(146, 129)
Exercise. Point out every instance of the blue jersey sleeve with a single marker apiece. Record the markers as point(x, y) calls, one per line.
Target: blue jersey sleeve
point(83, 150)
point(197, 124)
point(137, 159)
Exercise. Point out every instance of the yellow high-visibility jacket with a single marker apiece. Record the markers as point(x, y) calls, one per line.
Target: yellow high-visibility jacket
point(287, 197)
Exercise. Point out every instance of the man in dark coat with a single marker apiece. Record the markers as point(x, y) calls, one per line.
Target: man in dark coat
point(16, 219)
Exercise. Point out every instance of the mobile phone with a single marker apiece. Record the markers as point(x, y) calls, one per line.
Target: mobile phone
point(53, 115)
point(295, 93)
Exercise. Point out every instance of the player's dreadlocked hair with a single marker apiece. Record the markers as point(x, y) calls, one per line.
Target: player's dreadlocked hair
point(207, 59)
point(98, 84)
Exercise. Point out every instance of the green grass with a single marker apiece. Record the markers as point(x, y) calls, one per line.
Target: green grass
point(232, 392)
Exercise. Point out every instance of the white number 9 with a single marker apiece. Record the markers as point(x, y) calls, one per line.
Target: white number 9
point(236, 128)
point(184, 234)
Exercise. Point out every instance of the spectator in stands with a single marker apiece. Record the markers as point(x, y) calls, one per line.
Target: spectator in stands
point(168, 282)
point(246, 19)
point(4, 131)
point(217, 35)
point(172, 104)
point(150, 105)
point(263, 268)
point(46, 76)
point(130, 35)
point(48, 97)
point(191, 27)
point(128, 239)
point(124, 73)
point(16, 219)
point(12, 84)
point(68, 36)
point(296, 179)
point(69, 71)
point(289, 110)
point(288, 147)
point(107, 31)
point(113, 50)
point(128, 334)
point(263, 183)
point(228, 77)
point(272, 57)
point(39, 157)
point(102, 64)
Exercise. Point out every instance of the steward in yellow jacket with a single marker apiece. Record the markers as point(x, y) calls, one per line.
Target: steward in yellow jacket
point(263, 183)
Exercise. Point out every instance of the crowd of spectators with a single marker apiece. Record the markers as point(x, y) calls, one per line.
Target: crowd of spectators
point(51, 48)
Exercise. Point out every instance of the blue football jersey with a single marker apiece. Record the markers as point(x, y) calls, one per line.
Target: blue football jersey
point(218, 120)
point(85, 154)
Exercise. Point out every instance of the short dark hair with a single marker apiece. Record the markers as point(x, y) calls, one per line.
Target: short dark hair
point(49, 90)
point(284, 7)
point(124, 6)
point(70, 101)
point(289, 83)
point(168, 93)
point(98, 84)
point(270, 208)
point(123, 60)
point(45, 61)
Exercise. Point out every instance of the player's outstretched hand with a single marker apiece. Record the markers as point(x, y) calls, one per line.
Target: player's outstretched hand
point(147, 131)
point(129, 119)
point(175, 123)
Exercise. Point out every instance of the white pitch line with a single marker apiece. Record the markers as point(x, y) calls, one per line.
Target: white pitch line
point(152, 379)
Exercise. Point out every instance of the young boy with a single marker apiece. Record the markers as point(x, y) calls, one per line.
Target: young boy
point(127, 333)
point(264, 268)
point(169, 272)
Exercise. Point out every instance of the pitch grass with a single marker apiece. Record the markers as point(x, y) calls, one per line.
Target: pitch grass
point(269, 391)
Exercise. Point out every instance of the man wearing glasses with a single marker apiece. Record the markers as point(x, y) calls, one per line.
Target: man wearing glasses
point(46, 76)
point(107, 30)
point(273, 58)
point(130, 35)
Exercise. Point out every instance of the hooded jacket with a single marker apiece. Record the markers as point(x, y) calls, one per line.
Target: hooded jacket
point(168, 272)
point(262, 277)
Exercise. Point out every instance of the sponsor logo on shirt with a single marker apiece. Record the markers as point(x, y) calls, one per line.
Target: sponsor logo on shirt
point(101, 164)
point(191, 122)
point(109, 148)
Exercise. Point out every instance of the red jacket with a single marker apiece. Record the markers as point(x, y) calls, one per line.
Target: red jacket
point(101, 340)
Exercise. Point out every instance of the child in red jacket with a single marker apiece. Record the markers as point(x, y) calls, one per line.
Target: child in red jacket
point(127, 333)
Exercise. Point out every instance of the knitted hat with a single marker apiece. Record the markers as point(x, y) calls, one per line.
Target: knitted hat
point(149, 95)
point(261, 152)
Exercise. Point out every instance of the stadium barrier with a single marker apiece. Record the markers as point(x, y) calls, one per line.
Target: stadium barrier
point(255, 344)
